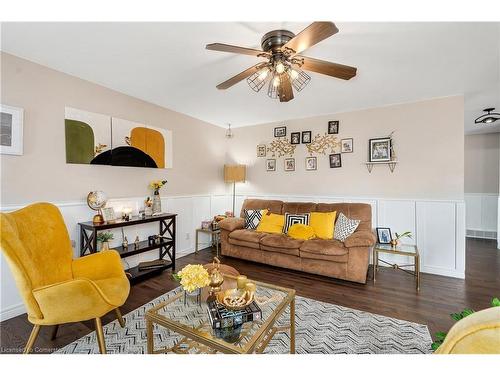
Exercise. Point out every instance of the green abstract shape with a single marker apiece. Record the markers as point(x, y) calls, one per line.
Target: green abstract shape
point(79, 142)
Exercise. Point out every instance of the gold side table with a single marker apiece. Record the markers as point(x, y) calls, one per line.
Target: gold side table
point(404, 250)
point(215, 238)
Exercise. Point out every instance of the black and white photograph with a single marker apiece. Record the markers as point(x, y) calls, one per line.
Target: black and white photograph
point(311, 163)
point(346, 145)
point(380, 149)
point(295, 138)
point(333, 127)
point(280, 131)
point(289, 164)
point(306, 136)
point(384, 235)
point(11, 130)
point(261, 151)
point(335, 160)
point(271, 165)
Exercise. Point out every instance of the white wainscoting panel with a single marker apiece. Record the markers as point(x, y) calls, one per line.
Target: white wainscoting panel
point(481, 215)
point(438, 226)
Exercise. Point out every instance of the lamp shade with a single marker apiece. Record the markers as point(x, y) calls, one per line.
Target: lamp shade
point(235, 173)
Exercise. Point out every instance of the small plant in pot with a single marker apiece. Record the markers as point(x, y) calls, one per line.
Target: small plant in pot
point(397, 240)
point(104, 238)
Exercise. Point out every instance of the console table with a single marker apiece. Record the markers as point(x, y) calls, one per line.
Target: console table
point(166, 245)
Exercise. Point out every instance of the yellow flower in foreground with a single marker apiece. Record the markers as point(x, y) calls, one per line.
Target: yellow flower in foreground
point(193, 276)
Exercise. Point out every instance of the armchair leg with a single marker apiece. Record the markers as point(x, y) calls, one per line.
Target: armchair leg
point(100, 335)
point(120, 317)
point(53, 335)
point(32, 338)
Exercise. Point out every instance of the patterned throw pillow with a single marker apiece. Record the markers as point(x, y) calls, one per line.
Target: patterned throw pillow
point(291, 219)
point(252, 218)
point(344, 227)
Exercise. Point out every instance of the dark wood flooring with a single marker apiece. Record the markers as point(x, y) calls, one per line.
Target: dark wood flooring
point(393, 295)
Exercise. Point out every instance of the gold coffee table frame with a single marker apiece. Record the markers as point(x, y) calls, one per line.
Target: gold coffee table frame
point(411, 251)
point(207, 343)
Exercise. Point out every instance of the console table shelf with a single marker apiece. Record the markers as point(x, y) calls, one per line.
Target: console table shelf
point(165, 247)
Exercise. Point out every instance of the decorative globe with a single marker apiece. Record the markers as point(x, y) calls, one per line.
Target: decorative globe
point(96, 200)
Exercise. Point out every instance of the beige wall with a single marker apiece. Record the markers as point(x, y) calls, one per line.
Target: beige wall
point(429, 142)
point(482, 163)
point(42, 173)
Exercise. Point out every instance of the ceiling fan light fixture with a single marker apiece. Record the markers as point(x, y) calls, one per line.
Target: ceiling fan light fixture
point(488, 118)
point(280, 67)
point(257, 80)
point(301, 80)
point(273, 88)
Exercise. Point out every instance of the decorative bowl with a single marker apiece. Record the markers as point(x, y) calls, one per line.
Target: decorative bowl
point(235, 299)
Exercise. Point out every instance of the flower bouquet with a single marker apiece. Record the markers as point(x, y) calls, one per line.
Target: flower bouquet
point(192, 278)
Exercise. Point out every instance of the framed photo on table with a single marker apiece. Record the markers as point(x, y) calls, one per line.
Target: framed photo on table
point(384, 235)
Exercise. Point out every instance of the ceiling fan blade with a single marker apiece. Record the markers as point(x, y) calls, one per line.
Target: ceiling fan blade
point(325, 67)
point(311, 35)
point(235, 49)
point(285, 90)
point(240, 77)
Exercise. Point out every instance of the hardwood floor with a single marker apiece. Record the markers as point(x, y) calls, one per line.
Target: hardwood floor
point(393, 295)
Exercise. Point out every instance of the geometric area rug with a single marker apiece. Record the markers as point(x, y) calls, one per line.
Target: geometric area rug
point(320, 328)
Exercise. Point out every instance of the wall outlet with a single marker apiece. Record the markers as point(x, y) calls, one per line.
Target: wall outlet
point(188, 236)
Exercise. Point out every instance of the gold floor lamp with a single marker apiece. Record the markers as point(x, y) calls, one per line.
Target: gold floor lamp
point(234, 174)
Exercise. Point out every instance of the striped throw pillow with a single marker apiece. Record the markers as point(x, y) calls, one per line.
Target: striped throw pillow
point(291, 219)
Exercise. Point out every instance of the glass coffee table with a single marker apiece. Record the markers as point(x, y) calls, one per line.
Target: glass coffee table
point(191, 322)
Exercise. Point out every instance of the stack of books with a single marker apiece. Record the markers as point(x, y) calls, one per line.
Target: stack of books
point(220, 317)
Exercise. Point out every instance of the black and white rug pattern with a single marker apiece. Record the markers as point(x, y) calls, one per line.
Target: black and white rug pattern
point(321, 328)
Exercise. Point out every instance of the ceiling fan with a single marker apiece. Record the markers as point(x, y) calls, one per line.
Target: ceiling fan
point(284, 67)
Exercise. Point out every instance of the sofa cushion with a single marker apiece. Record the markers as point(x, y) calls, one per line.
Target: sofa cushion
point(358, 211)
point(324, 247)
point(246, 235)
point(281, 241)
point(282, 250)
point(330, 258)
point(273, 206)
point(298, 207)
point(253, 245)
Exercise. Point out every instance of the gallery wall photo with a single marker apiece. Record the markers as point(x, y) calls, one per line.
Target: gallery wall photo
point(94, 138)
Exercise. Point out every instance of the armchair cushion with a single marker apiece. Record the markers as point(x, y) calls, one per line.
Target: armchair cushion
point(102, 265)
point(71, 301)
point(360, 238)
point(232, 223)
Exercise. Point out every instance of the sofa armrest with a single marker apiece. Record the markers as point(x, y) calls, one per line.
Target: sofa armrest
point(232, 223)
point(362, 238)
point(101, 265)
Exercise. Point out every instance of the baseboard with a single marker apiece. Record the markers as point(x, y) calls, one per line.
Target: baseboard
point(12, 311)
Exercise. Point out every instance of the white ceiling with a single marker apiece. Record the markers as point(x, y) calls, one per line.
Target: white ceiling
point(167, 64)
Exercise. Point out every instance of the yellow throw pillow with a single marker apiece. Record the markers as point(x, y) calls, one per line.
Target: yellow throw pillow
point(301, 232)
point(323, 224)
point(271, 223)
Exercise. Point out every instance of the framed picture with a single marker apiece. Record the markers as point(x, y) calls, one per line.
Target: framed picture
point(384, 235)
point(280, 131)
point(11, 130)
point(108, 214)
point(333, 127)
point(335, 160)
point(289, 164)
point(346, 145)
point(311, 163)
point(306, 136)
point(295, 138)
point(271, 165)
point(261, 151)
point(380, 149)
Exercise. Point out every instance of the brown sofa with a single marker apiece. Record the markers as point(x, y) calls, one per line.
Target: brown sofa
point(348, 260)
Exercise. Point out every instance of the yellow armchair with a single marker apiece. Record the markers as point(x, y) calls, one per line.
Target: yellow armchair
point(478, 333)
point(57, 289)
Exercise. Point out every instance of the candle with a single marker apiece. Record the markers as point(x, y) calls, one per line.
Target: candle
point(241, 281)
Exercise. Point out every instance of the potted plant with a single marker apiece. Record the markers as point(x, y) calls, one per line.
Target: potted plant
point(156, 186)
point(397, 240)
point(104, 238)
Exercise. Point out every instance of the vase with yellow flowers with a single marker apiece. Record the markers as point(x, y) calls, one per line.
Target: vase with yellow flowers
point(192, 277)
point(156, 186)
